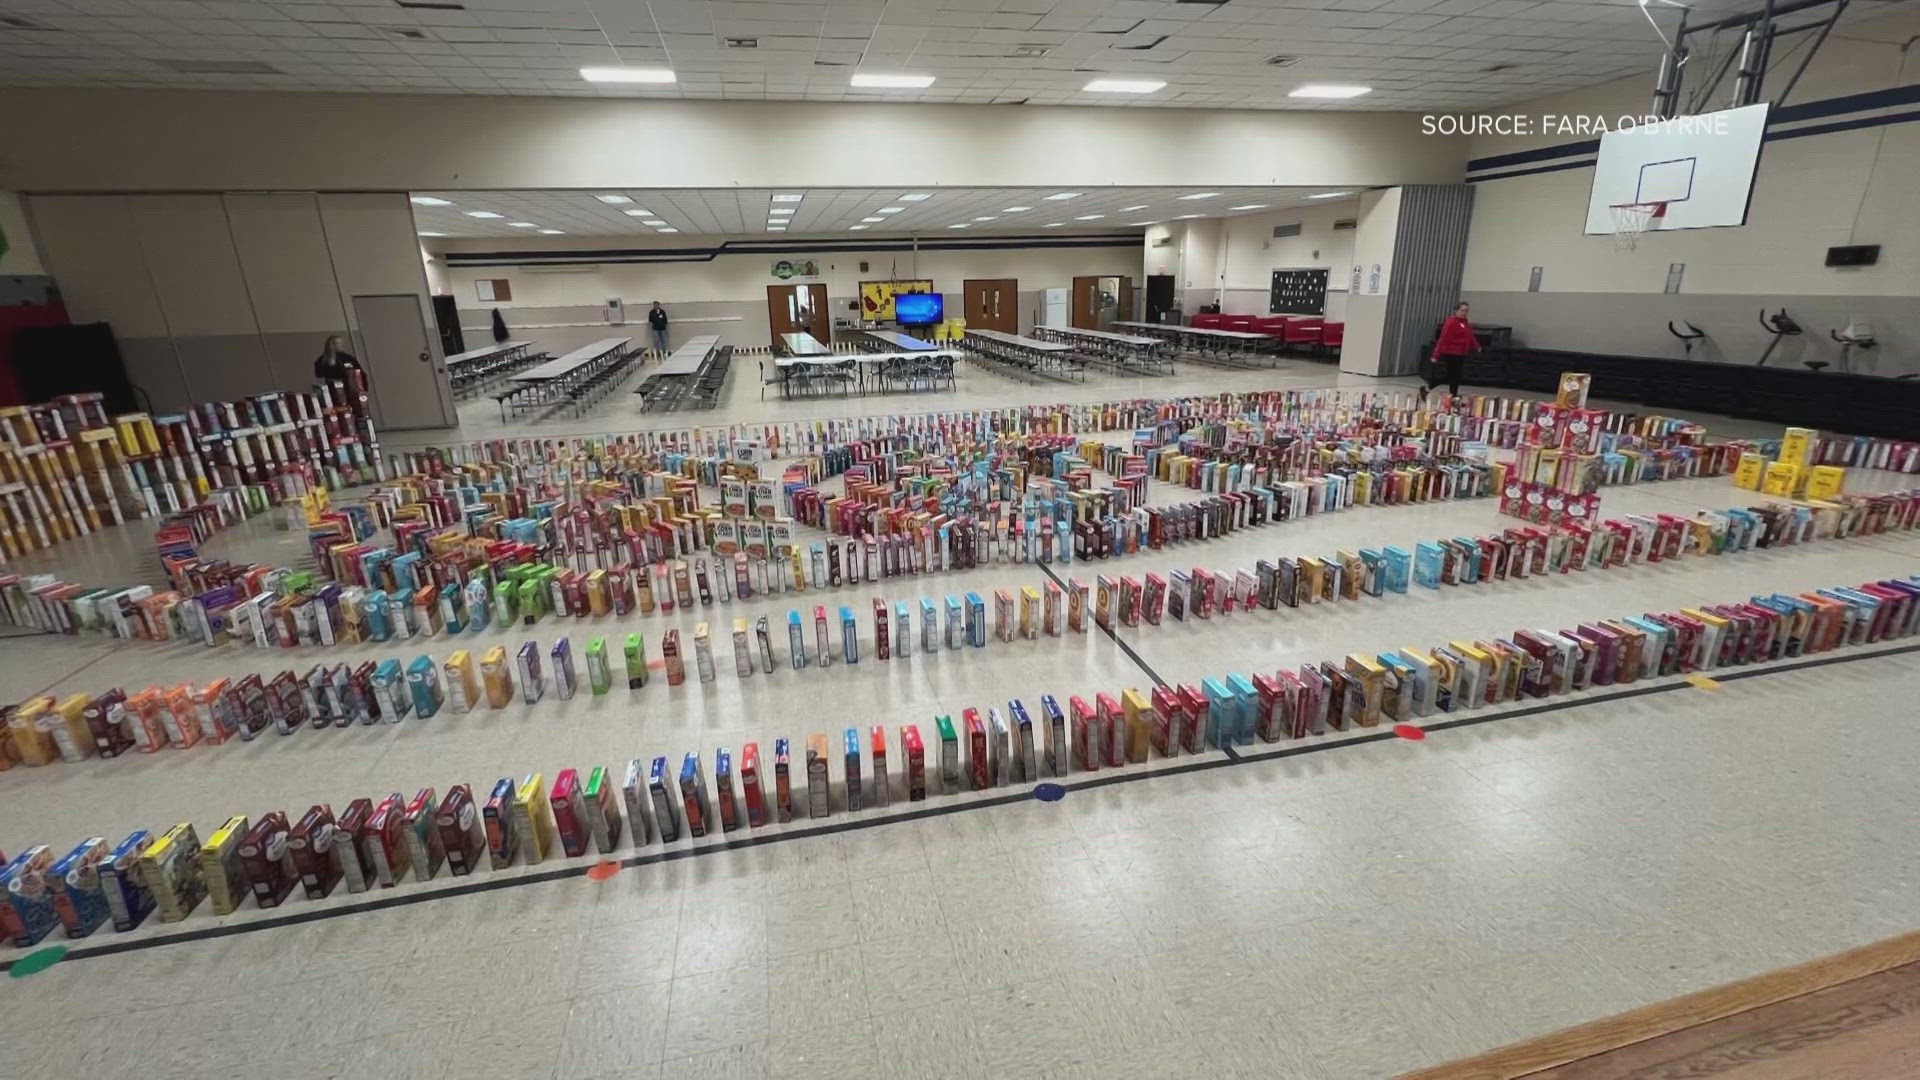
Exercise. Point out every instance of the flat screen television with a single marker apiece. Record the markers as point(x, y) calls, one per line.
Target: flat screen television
point(919, 309)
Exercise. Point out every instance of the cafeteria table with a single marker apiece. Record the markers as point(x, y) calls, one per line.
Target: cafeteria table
point(899, 342)
point(570, 376)
point(1127, 352)
point(1051, 359)
point(466, 370)
point(1213, 344)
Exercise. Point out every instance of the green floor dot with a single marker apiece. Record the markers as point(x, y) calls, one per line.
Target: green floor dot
point(36, 962)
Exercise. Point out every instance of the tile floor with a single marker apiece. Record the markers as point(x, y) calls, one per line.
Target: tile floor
point(1349, 913)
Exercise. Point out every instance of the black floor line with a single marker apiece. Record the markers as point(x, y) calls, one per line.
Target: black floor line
point(1115, 638)
point(83, 949)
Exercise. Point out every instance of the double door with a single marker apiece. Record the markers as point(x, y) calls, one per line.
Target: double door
point(993, 304)
point(798, 309)
point(1098, 302)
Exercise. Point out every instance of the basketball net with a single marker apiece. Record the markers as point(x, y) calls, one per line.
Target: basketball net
point(1632, 219)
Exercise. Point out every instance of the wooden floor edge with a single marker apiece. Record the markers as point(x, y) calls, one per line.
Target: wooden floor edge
point(1652, 1021)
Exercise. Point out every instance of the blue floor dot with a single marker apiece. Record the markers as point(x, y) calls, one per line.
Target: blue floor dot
point(1049, 792)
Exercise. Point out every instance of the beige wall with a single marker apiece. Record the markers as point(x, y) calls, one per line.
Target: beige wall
point(1810, 193)
point(22, 258)
point(1366, 311)
point(731, 290)
point(144, 140)
point(214, 296)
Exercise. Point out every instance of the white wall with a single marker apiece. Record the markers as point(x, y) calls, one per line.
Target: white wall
point(22, 258)
point(1810, 193)
point(1252, 253)
point(1373, 242)
point(145, 140)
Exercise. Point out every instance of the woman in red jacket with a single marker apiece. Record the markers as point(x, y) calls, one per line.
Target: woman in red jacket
point(1450, 352)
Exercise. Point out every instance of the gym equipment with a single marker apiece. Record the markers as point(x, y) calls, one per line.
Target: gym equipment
point(1781, 326)
point(1687, 339)
point(1857, 336)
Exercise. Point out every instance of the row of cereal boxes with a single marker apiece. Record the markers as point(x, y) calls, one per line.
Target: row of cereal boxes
point(372, 845)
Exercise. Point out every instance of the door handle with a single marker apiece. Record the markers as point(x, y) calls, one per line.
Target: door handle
point(424, 357)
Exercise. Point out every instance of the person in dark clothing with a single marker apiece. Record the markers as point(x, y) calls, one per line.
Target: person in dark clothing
point(334, 362)
point(657, 319)
point(1457, 339)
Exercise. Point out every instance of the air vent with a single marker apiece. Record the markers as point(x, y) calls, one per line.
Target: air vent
point(431, 5)
point(1281, 232)
point(1030, 52)
point(407, 33)
point(1345, 224)
point(21, 22)
point(743, 43)
point(221, 67)
point(1282, 60)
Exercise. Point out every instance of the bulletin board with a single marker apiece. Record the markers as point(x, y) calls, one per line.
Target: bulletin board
point(1300, 291)
point(876, 297)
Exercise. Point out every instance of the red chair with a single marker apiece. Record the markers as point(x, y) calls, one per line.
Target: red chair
point(1331, 334)
point(1274, 326)
point(1303, 332)
point(1240, 323)
point(1206, 322)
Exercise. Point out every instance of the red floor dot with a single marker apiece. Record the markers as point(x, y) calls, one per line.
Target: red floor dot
point(1410, 731)
point(601, 871)
point(657, 665)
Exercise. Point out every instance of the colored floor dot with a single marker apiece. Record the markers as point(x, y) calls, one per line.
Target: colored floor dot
point(1049, 792)
point(38, 961)
point(1703, 682)
point(1413, 732)
point(603, 870)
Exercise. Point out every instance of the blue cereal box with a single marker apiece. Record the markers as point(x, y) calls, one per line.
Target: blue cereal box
point(30, 893)
point(129, 900)
point(80, 897)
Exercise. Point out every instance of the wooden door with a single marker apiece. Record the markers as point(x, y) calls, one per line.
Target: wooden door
point(1126, 312)
point(1086, 303)
point(993, 304)
point(798, 309)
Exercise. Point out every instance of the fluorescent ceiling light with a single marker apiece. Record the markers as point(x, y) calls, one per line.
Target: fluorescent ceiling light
point(1053, 224)
point(776, 228)
point(522, 225)
point(1188, 217)
point(1123, 86)
point(1089, 217)
point(890, 210)
point(871, 220)
point(855, 228)
point(1129, 209)
point(613, 200)
point(893, 82)
point(430, 234)
point(788, 198)
point(429, 200)
point(1249, 206)
point(1326, 90)
point(916, 196)
point(962, 225)
point(484, 214)
point(551, 232)
point(987, 217)
point(627, 75)
point(1060, 196)
point(668, 229)
point(780, 211)
point(1138, 223)
point(1331, 195)
point(653, 222)
point(1199, 195)
point(637, 212)
point(1016, 209)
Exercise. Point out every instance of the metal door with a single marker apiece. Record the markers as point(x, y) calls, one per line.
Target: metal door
point(409, 389)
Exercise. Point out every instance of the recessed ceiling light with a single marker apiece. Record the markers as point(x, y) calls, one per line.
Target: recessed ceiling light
point(484, 214)
point(522, 225)
point(916, 196)
point(1188, 217)
point(962, 225)
point(1059, 196)
point(788, 197)
point(986, 217)
point(1199, 195)
point(551, 232)
point(626, 75)
point(430, 234)
point(780, 211)
point(871, 220)
point(893, 82)
point(1331, 195)
point(1328, 90)
point(1053, 224)
point(1123, 86)
point(668, 229)
point(855, 228)
point(1016, 209)
point(613, 200)
point(637, 212)
point(1129, 209)
point(653, 222)
point(890, 210)
point(1249, 206)
point(429, 200)
point(1089, 217)
point(1132, 224)
point(776, 228)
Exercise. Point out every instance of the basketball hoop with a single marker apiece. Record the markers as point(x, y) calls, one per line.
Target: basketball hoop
point(1632, 219)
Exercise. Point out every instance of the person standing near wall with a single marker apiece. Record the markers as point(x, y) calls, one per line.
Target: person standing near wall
point(657, 320)
point(1457, 339)
point(334, 362)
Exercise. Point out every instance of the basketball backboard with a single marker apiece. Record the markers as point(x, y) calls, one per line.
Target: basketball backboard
point(1701, 166)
